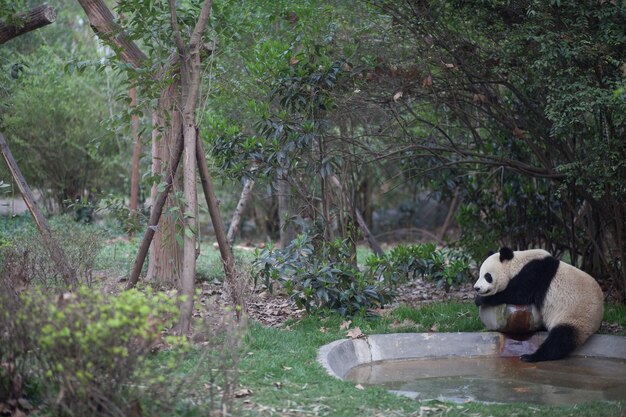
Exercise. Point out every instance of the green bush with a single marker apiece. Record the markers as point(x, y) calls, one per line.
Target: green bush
point(84, 350)
point(91, 354)
point(320, 275)
point(446, 267)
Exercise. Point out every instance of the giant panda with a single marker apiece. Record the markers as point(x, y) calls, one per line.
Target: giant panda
point(569, 300)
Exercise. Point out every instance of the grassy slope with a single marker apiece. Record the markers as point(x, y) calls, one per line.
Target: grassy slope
point(280, 368)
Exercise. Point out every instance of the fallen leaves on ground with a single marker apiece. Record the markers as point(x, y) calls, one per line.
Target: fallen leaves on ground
point(243, 392)
point(355, 333)
point(345, 325)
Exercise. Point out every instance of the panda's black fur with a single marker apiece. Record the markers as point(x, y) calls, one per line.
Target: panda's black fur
point(570, 301)
point(529, 286)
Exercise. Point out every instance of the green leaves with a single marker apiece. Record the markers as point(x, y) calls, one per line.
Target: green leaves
point(446, 267)
point(320, 275)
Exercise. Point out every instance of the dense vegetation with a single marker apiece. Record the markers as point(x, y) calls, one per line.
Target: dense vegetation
point(442, 127)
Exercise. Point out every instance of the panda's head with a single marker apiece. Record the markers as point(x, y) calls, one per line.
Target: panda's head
point(495, 273)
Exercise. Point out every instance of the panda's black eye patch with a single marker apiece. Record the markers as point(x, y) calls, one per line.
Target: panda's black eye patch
point(488, 278)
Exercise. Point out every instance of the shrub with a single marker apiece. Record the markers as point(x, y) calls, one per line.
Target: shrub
point(87, 354)
point(85, 348)
point(319, 275)
point(446, 267)
point(25, 255)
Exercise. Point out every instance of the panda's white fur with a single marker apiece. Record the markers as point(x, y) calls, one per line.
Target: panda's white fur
point(570, 300)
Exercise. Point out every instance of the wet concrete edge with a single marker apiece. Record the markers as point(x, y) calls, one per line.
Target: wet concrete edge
point(340, 356)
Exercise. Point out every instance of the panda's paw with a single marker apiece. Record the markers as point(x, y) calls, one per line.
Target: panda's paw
point(478, 300)
point(528, 358)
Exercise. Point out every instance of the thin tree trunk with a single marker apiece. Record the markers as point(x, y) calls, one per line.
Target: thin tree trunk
point(325, 192)
point(134, 174)
point(367, 235)
point(246, 193)
point(165, 254)
point(284, 211)
point(454, 205)
point(218, 225)
point(56, 252)
point(25, 22)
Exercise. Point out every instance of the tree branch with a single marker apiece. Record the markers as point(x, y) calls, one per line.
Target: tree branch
point(178, 39)
point(25, 22)
point(104, 25)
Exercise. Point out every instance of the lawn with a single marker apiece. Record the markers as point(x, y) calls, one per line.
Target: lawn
point(279, 367)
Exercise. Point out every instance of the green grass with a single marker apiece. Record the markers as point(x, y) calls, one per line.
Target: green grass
point(614, 313)
point(117, 256)
point(280, 367)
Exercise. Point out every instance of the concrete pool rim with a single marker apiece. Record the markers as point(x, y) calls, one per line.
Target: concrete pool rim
point(341, 356)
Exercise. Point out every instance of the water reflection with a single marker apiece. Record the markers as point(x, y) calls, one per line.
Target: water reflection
point(502, 380)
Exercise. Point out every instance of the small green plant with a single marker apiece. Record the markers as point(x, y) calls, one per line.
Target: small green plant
point(446, 267)
point(320, 275)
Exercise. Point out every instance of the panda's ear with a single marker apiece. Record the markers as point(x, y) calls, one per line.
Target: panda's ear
point(506, 254)
point(490, 253)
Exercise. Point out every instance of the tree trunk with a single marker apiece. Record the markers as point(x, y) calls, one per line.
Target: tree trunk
point(246, 193)
point(233, 286)
point(134, 173)
point(25, 22)
point(156, 212)
point(190, 224)
point(56, 252)
point(287, 233)
point(190, 70)
point(454, 205)
point(166, 254)
point(367, 235)
point(325, 193)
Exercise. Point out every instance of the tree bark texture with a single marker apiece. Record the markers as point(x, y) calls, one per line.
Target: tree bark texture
point(25, 22)
point(104, 25)
point(188, 275)
point(246, 193)
point(56, 252)
point(155, 214)
point(166, 255)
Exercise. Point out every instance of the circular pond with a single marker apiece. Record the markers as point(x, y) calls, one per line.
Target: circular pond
point(482, 367)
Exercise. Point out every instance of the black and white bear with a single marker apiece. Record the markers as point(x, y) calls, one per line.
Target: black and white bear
point(570, 301)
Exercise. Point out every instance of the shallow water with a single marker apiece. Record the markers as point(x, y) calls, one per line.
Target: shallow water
point(502, 380)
